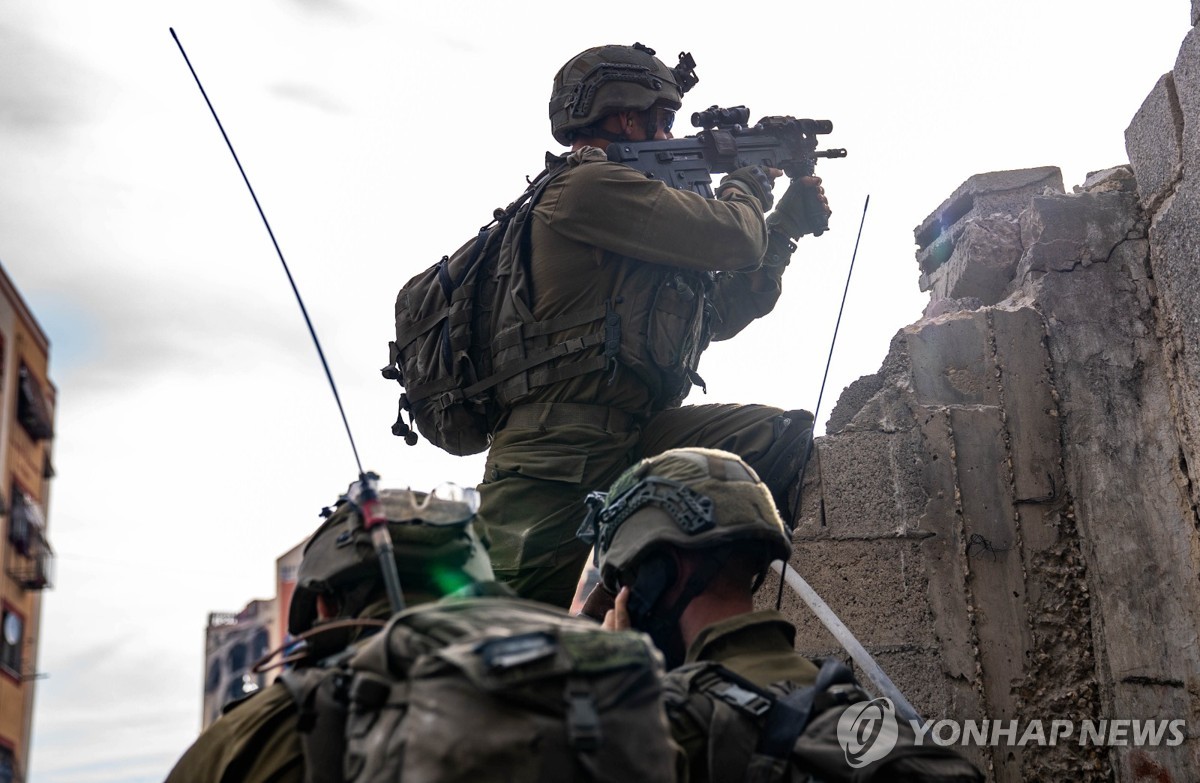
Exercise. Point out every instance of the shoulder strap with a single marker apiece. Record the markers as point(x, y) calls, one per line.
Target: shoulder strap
point(789, 715)
point(781, 718)
point(514, 252)
point(318, 692)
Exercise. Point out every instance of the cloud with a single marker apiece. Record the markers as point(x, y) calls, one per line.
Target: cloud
point(309, 96)
point(335, 9)
point(110, 343)
point(41, 90)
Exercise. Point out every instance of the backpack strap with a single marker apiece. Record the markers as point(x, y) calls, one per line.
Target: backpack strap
point(607, 334)
point(321, 697)
point(781, 718)
point(790, 714)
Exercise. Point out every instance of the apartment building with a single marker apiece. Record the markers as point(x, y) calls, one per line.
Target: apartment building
point(26, 435)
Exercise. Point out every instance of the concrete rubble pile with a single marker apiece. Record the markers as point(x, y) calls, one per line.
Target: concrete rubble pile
point(1007, 513)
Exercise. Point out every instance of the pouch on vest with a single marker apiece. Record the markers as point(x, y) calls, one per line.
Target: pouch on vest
point(677, 332)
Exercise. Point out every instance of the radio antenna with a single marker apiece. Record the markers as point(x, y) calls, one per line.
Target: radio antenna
point(821, 394)
point(299, 300)
point(363, 493)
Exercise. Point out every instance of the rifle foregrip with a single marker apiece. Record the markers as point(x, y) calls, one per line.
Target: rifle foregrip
point(816, 212)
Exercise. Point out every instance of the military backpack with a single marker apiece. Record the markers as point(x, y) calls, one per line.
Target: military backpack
point(468, 346)
point(442, 352)
point(487, 689)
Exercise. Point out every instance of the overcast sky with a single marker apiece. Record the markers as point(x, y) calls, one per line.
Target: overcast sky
point(196, 435)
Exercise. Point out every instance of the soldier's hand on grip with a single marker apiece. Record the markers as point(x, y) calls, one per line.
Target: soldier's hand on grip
point(802, 210)
point(598, 603)
point(755, 180)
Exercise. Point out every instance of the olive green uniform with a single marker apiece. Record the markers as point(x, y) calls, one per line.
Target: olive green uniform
point(603, 233)
point(725, 746)
point(757, 646)
point(255, 741)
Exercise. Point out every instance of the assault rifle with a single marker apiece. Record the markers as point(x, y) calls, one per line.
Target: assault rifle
point(727, 142)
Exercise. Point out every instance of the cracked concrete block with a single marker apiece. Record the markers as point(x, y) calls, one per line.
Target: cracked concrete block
point(993, 553)
point(878, 587)
point(889, 410)
point(982, 263)
point(1004, 192)
point(878, 402)
point(1154, 142)
point(852, 400)
point(1186, 76)
point(981, 461)
point(951, 360)
point(812, 638)
point(1176, 267)
point(938, 307)
point(1118, 178)
point(1060, 232)
point(871, 483)
point(1031, 414)
point(916, 673)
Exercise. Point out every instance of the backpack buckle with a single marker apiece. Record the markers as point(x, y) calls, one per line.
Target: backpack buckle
point(754, 703)
point(583, 719)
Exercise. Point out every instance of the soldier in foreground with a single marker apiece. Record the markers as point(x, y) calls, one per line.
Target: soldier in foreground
point(659, 273)
point(686, 537)
point(468, 683)
point(339, 599)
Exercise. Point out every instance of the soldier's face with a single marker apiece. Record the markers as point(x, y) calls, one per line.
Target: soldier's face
point(659, 124)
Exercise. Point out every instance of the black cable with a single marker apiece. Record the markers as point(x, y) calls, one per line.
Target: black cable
point(303, 310)
point(821, 394)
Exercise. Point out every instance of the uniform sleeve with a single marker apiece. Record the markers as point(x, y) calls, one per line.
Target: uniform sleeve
point(257, 742)
point(741, 297)
point(613, 207)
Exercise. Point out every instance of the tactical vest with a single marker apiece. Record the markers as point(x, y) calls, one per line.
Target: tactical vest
point(655, 323)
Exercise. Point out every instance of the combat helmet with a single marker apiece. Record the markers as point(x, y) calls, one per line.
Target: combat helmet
point(436, 550)
point(606, 79)
point(690, 498)
point(687, 499)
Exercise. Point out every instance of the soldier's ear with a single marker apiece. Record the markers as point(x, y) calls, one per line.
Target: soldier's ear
point(623, 120)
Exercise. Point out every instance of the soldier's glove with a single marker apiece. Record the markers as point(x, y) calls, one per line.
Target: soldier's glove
point(802, 210)
point(753, 180)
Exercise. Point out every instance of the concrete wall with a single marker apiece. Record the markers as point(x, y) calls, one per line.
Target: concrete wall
point(1007, 514)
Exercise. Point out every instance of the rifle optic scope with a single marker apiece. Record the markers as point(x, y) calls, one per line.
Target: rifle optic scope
point(715, 116)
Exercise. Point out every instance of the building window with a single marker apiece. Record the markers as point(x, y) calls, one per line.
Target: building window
point(214, 677)
point(24, 521)
point(237, 658)
point(259, 647)
point(27, 534)
point(12, 636)
point(32, 410)
point(8, 765)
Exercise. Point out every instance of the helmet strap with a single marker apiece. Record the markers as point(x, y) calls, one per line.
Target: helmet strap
point(650, 122)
